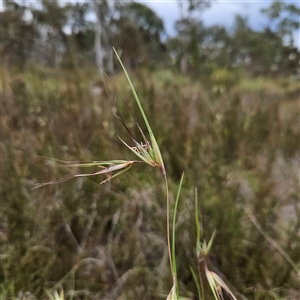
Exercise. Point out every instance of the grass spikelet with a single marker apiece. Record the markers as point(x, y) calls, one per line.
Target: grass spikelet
point(110, 169)
point(217, 285)
point(153, 149)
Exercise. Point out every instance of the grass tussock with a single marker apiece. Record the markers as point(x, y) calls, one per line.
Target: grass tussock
point(236, 141)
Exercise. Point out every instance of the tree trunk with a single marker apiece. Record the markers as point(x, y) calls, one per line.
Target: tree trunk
point(184, 63)
point(98, 33)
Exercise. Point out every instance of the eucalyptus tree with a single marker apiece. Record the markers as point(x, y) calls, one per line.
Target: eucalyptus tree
point(67, 35)
point(17, 34)
point(50, 18)
point(257, 51)
point(218, 46)
point(190, 34)
point(284, 23)
point(137, 32)
point(186, 47)
point(80, 32)
point(283, 19)
point(270, 50)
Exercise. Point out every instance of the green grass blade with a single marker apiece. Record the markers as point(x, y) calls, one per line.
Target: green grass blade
point(207, 249)
point(196, 282)
point(173, 232)
point(135, 94)
point(197, 223)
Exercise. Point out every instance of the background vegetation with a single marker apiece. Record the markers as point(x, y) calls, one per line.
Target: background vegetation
point(224, 107)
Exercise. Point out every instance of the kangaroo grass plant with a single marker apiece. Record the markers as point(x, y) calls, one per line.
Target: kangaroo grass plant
point(150, 154)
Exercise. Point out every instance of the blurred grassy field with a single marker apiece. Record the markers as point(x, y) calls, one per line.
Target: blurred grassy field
point(237, 140)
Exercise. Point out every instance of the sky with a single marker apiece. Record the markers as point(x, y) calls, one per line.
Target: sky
point(221, 12)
